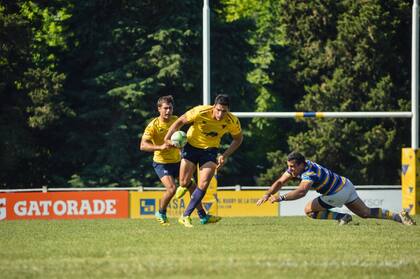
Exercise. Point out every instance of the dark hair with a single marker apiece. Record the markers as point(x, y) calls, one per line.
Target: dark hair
point(165, 99)
point(296, 156)
point(222, 99)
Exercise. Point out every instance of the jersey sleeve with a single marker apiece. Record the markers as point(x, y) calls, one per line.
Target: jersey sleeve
point(235, 127)
point(148, 132)
point(192, 114)
point(309, 176)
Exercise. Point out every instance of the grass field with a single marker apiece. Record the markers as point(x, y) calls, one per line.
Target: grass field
point(286, 247)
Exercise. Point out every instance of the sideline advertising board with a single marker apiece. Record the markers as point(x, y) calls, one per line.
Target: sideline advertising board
point(64, 205)
point(145, 204)
point(243, 203)
point(221, 203)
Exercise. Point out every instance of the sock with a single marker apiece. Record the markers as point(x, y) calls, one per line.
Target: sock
point(201, 213)
point(196, 198)
point(380, 213)
point(162, 211)
point(327, 215)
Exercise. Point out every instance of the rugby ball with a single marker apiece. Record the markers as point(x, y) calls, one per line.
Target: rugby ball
point(179, 139)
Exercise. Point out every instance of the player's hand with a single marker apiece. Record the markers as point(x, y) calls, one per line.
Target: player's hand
point(274, 199)
point(165, 146)
point(221, 161)
point(262, 200)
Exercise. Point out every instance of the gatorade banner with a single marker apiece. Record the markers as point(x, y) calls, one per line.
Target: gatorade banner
point(64, 205)
point(243, 203)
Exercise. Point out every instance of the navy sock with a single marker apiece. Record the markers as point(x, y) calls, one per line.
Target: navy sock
point(196, 198)
point(162, 211)
point(201, 213)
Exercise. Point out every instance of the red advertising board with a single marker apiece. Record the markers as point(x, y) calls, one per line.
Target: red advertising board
point(64, 205)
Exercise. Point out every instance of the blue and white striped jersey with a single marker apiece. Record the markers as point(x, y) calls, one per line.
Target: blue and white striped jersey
point(324, 181)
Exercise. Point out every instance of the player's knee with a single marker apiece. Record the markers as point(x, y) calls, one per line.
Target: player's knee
point(203, 185)
point(171, 191)
point(311, 214)
point(308, 211)
point(184, 182)
point(364, 214)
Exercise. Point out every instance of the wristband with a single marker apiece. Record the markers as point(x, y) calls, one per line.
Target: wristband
point(282, 197)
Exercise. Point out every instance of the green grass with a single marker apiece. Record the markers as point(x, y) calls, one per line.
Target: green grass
point(286, 247)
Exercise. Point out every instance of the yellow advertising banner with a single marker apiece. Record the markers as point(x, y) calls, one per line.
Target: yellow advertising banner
point(243, 203)
point(221, 203)
point(145, 204)
point(410, 180)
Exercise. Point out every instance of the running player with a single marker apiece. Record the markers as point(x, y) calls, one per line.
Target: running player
point(166, 158)
point(208, 125)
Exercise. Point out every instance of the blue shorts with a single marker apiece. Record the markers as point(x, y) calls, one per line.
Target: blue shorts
point(198, 155)
point(171, 169)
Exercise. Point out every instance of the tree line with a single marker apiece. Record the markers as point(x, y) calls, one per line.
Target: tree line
point(80, 79)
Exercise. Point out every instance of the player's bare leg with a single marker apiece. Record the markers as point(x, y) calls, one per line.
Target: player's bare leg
point(315, 210)
point(170, 187)
point(207, 171)
point(186, 172)
point(359, 208)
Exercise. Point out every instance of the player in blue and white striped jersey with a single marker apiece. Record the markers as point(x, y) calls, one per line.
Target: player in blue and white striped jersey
point(335, 191)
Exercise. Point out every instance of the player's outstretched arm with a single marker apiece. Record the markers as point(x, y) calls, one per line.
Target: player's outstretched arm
point(236, 142)
point(298, 193)
point(175, 127)
point(275, 187)
point(148, 146)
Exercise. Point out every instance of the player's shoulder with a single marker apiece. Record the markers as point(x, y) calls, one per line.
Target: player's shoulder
point(154, 122)
point(201, 109)
point(204, 108)
point(232, 119)
point(310, 168)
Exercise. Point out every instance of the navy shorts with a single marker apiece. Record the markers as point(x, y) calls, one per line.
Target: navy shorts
point(171, 169)
point(198, 155)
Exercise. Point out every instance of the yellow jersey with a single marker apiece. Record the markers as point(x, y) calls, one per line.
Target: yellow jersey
point(205, 131)
point(155, 132)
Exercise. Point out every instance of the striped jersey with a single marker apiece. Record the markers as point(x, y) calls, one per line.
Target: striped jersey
point(324, 180)
point(155, 132)
point(205, 131)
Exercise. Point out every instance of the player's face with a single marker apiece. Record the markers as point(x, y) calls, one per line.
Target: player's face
point(295, 168)
point(165, 111)
point(219, 111)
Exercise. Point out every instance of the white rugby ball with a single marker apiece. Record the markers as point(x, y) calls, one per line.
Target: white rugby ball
point(179, 139)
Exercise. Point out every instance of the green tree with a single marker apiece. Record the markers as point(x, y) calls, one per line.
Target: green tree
point(131, 53)
point(351, 56)
point(31, 90)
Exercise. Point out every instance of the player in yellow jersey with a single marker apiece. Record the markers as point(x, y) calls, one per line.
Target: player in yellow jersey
point(208, 125)
point(166, 158)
